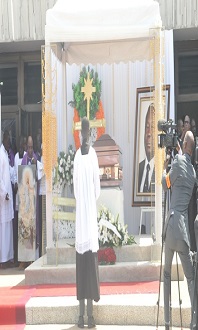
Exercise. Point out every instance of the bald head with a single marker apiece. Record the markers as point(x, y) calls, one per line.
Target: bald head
point(30, 146)
point(188, 143)
point(30, 140)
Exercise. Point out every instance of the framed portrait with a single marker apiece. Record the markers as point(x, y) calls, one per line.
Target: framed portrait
point(143, 185)
point(27, 193)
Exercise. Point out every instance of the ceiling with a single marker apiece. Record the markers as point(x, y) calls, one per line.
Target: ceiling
point(185, 34)
point(21, 46)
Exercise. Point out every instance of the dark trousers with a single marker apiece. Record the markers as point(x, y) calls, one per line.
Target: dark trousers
point(192, 213)
point(40, 226)
point(15, 236)
point(172, 245)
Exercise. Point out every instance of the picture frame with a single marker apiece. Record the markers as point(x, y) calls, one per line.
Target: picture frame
point(143, 146)
point(27, 195)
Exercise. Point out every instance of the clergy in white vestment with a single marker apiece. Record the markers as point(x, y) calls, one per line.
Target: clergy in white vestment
point(86, 191)
point(17, 161)
point(6, 203)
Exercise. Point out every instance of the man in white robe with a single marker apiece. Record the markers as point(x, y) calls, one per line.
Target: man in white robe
point(86, 191)
point(6, 203)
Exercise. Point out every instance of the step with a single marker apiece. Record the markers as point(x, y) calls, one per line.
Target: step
point(144, 250)
point(136, 271)
point(125, 309)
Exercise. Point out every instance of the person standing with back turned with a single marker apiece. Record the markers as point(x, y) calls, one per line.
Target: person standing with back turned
point(181, 179)
point(86, 191)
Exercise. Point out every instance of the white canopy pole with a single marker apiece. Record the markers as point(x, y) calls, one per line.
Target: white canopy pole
point(64, 95)
point(48, 105)
point(158, 79)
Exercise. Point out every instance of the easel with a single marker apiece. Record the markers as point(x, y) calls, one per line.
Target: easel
point(145, 209)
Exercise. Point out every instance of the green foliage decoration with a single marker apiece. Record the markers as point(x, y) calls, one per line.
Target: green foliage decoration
point(79, 103)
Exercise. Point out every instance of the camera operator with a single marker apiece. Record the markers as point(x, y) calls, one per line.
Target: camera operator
point(181, 179)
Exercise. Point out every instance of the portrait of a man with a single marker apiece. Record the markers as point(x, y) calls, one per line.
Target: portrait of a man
point(146, 173)
point(145, 134)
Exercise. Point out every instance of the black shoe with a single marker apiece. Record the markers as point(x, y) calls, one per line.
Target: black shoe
point(91, 322)
point(81, 322)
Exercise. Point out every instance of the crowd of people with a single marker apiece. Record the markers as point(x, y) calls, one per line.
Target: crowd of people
point(16, 235)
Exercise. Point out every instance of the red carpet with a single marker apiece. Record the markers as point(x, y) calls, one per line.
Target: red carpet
point(13, 299)
point(12, 327)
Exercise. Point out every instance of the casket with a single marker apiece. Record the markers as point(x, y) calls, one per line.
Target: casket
point(110, 161)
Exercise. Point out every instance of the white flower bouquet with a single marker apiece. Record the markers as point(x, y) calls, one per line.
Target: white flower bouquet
point(63, 172)
point(111, 231)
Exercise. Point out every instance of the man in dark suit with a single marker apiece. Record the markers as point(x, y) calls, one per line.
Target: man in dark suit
point(146, 173)
point(181, 179)
point(192, 208)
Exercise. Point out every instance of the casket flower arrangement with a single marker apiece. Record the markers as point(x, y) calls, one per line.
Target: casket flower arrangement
point(63, 172)
point(79, 103)
point(111, 234)
point(111, 231)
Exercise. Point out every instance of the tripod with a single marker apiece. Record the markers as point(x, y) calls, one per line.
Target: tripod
point(164, 227)
point(159, 291)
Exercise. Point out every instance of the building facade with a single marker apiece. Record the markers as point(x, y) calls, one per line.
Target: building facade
point(21, 35)
point(182, 17)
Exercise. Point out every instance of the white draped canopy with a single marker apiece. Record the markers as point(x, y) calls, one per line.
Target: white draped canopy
point(103, 31)
point(100, 32)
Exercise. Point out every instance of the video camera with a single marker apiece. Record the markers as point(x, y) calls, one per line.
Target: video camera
point(169, 138)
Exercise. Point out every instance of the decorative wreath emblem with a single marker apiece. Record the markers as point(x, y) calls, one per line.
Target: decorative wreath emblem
point(95, 113)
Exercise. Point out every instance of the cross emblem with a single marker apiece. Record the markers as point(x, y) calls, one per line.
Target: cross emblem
point(88, 89)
